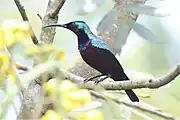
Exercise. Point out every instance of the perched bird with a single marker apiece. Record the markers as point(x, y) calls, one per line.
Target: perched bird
point(97, 54)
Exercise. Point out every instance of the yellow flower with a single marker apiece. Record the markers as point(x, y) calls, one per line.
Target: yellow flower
point(41, 53)
point(72, 97)
point(2, 42)
point(67, 86)
point(59, 55)
point(75, 99)
point(51, 115)
point(68, 105)
point(90, 115)
point(16, 31)
point(50, 87)
point(33, 50)
point(4, 61)
point(39, 50)
point(45, 52)
point(11, 75)
point(84, 96)
point(6, 69)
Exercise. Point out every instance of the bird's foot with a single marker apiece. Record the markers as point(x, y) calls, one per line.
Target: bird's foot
point(92, 78)
point(100, 80)
point(86, 80)
point(96, 82)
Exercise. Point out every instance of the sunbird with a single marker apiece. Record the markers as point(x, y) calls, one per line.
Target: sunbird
point(96, 53)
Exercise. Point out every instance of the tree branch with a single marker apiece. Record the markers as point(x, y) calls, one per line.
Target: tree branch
point(50, 17)
point(42, 68)
point(140, 106)
point(31, 102)
point(129, 84)
point(25, 18)
point(115, 85)
point(50, 67)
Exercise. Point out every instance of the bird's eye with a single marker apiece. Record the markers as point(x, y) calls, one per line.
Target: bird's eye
point(73, 24)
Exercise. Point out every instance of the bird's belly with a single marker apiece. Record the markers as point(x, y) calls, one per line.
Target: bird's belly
point(97, 61)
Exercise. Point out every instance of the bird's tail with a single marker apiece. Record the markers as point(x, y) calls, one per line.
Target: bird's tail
point(132, 95)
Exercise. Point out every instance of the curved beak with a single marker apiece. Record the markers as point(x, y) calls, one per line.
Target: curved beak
point(56, 25)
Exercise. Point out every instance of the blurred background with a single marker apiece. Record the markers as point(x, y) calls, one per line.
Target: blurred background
point(137, 54)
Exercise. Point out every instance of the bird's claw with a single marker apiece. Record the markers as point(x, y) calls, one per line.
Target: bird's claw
point(100, 80)
point(92, 78)
point(86, 80)
point(96, 82)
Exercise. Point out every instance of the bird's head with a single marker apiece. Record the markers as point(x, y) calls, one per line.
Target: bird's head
point(78, 27)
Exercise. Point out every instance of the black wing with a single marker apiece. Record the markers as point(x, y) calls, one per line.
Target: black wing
point(105, 62)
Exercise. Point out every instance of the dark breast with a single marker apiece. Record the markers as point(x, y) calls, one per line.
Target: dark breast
point(103, 61)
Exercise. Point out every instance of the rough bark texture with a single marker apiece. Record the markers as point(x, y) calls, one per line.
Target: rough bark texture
point(50, 17)
point(32, 107)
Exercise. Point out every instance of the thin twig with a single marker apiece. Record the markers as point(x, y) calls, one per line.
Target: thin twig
point(141, 115)
point(140, 106)
point(40, 17)
point(21, 67)
point(25, 18)
point(151, 110)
